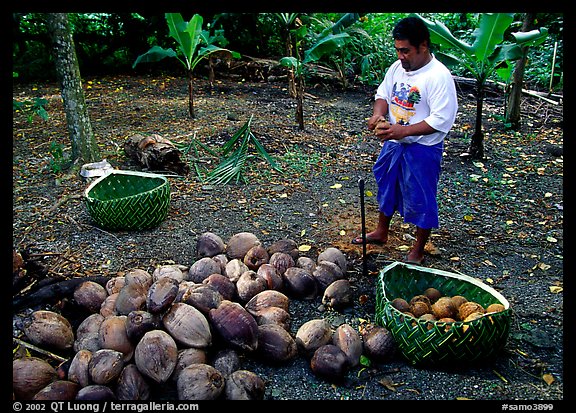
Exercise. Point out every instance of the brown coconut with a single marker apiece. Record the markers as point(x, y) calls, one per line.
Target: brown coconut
point(105, 366)
point(400, 304)
point(200, 382)
point(275, 344)
point(30, 375)
point(132, 385)
point(444, 308)
point(240, 243)
point(48, 329)
point(313, 334)
point(458, 300)
point(495, 308)
point(468, 308)
point(202, 268)
point(433, 294)
point(350, 342)
point(235, 325)
point(209, 244)
point(255, 257)
point(244, 385)
point(90, 295)
point(187, 325)
point(156, 355)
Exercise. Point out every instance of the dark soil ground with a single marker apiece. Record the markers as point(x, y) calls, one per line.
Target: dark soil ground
point(501, 219)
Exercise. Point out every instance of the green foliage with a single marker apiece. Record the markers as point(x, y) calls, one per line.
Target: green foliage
point(236, 154)
point(31, 108)
point(194, 44)
point(57, 162)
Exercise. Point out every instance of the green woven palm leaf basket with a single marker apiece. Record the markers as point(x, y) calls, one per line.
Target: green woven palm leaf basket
point(439, 343)
point(128, 200)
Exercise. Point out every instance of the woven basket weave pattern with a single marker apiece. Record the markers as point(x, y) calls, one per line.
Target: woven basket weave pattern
point(127, 200)
point(426, 342)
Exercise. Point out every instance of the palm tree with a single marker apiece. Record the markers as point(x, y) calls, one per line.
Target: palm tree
point(483, 57)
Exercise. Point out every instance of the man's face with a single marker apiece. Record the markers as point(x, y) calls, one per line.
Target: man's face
point(411, 58)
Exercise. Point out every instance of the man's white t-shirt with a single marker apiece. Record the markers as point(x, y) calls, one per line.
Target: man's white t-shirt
point(427, 94)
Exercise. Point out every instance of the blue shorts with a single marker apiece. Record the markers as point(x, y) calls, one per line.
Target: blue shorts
point(407, 176)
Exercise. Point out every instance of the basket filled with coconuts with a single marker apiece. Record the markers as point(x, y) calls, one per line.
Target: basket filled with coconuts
point(438, 317)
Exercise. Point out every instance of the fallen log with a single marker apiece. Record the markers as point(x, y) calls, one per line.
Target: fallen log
point(155, 153)
point(54, 292)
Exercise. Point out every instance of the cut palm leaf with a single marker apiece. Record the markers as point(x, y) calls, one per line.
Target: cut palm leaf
point(236, 152)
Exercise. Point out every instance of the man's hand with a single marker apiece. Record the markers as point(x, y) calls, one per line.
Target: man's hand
point(374, 120)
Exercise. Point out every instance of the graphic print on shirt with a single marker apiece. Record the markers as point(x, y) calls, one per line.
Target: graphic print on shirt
point(403, 101)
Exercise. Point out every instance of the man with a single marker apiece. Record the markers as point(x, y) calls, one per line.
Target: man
point(419, 97)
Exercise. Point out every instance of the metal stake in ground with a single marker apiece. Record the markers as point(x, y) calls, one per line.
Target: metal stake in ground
point(363, 217)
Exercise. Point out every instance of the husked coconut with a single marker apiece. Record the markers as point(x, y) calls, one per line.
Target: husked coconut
point(222, 284)
point(338, 295)
point(90, 295)
point(187, 325)
point(255, 257)
point(140, 322)
point(49, 329)
point(349, 341)
point(226, 361)
point(170, 271)
point(58, 390)
point(235, 268)
point(313, 334)
point(161, 294)
point(156, 355)
point(132, 385)
point(239, 244)
point(96, 392)
point(329, 362)
point(307, 263)
point(87, 333)
point(281, 261)
point(30, 375)
point(78, 371)
point(235, 325)
point(108, 306)
point(186, 357)
point(203, 297)
point(248, 285)
point(265, 299)
point(244, 385)
point(113, 335)
point(209, 245)
point(300, 284)
point(273, 280)
point(200, 382)
point(105, 366)
point(202, 268)
point(334, 255)
point(287, 246)
point(275, 344)
point(326, 273)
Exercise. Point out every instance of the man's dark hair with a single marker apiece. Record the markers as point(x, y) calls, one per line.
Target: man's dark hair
point(412, 29)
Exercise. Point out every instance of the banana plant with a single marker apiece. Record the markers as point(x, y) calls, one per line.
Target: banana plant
point(327, 42)
point(194, 44)
point(487, 54)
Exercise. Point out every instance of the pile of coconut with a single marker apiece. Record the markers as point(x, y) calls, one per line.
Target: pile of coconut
point(189, 326)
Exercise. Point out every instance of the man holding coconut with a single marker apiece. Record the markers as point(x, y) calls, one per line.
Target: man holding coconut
point(418, 95)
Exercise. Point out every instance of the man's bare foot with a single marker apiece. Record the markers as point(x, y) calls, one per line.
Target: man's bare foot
point(414, 257)
point(373, 237)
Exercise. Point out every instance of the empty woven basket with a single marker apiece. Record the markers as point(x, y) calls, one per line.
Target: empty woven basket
point(434, 342)
point(128, 200)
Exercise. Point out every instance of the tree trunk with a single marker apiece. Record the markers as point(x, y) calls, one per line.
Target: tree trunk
point(514, 99)
point(191, 94)
point(84, 147)
point(300, 101)
point(155, 153)
point(291, 78)
point(476, 148)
